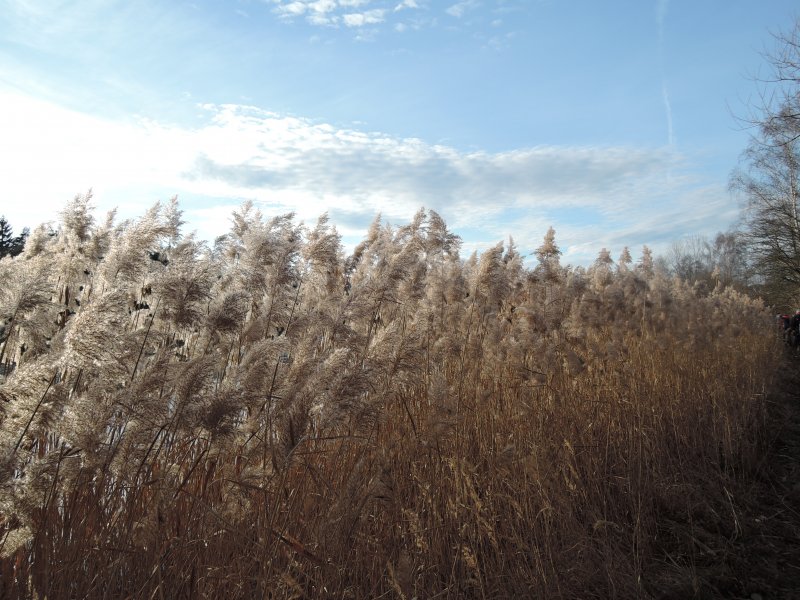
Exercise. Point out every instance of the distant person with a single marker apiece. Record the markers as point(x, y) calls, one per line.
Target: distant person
point(784, 325)
point(794, 329)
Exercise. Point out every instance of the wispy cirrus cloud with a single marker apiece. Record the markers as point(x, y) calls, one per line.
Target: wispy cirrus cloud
point(293, 164)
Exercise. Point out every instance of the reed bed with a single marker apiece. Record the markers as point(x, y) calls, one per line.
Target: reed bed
point(267, 417)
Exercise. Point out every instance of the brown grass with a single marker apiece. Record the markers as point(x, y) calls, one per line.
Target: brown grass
point(282, 422)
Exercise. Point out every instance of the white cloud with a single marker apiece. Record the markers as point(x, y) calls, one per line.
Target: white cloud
point(322, 6)
point(592, 195)
point(369, 17)
point(331, 12)
point(292, 9)
point(406, 4)
point(322, 20)
point(355, 14)
point(459, 9)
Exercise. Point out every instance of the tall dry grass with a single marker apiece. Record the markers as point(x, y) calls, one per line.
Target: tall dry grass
point(269, 418)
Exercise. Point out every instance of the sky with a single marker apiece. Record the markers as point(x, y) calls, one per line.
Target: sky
point(617, 123)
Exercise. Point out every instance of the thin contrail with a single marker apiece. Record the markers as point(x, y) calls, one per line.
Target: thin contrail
point(661, 14)
point(668, 108)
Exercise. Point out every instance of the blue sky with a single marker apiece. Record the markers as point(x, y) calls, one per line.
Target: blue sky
point(611, 121)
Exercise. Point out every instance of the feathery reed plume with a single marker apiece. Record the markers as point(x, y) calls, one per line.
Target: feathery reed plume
point(25, 307)
point(184, 286)
point(322, 255)
point(270, 418)
point(77, 218)
point(93, 339)
point(125, 264)
point(491, 280)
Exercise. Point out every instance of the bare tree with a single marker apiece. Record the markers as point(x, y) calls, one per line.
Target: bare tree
point(779, 109)
point(690, 258)
point(731, 259)
point(769, 173)
point(723, 260)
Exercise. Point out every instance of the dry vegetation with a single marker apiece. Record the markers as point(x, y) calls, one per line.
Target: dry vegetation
point(267, 418)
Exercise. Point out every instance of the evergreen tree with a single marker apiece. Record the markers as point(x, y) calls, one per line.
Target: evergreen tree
point(10, 245)
point(6, 238)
